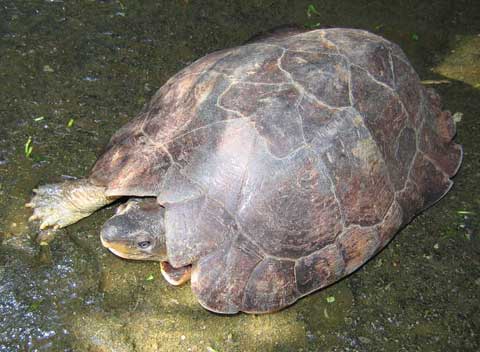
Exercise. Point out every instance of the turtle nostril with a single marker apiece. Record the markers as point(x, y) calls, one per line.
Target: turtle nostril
point(144, 244)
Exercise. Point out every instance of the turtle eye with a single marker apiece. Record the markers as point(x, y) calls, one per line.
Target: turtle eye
point(144, 244)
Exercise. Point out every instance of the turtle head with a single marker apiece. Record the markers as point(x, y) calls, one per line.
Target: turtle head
point(136, 231)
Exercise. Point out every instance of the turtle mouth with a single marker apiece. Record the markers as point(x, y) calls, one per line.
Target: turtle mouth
point(118, 253)
point(122, 251)
point(129, 255)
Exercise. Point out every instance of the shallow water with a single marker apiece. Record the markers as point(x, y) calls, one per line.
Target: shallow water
point(98, 62)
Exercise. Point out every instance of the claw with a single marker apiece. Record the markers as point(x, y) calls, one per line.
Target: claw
point(56, 227)
point(44, 225)
point(33, 218)
point(30, 205)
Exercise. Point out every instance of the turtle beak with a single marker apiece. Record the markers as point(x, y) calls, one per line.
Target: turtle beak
point(111, 240)
point(115, 247)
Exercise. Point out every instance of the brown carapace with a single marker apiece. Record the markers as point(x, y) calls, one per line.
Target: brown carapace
point(284, 164)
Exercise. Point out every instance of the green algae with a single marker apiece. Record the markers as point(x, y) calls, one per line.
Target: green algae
point(100, 61)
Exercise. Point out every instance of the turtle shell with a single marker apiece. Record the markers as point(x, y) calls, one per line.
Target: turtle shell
point(285, 164)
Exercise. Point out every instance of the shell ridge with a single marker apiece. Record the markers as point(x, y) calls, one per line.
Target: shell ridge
point(334, 192)
point(245, 176)
point(209, 125)
point(382, 158)
point(404, 123)
point(220, 97)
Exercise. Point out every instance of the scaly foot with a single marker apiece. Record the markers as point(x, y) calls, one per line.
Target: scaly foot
point(61, 204)
point(175, 276)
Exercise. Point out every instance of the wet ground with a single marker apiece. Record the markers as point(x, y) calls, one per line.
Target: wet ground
point(72, 72)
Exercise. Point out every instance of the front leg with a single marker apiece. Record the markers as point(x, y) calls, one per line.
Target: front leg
point(61, 204)
point(175, 276)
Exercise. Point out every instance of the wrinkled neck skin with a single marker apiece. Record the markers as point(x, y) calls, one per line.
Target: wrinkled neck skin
point(137, 231)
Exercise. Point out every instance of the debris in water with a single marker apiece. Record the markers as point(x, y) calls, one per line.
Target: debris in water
point(28, 147)
point(70, 123)
point(48, 68)
point(311, 10)
point(457, 117)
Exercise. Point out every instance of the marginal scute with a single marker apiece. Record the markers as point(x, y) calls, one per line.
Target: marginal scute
point(270, 286)
point(390, 225)
point(357, 245)
point(133, 166)
point(219, 279)
point(410, 199)
point(436, 139)
point(432, 182)
point(319, 269)
point(130, 129)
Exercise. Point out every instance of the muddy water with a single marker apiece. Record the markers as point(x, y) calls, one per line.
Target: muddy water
point(72, 72)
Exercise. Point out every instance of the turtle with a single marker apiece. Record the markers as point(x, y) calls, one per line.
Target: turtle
point(270, 170)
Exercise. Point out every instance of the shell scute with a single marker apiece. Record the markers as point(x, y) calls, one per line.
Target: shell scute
point(409, 90)
point(357, 245)
point(386, 119)
point(357, 170)
point(319, 269)
point(270, 286)
point(288, 206)
point(254, 63)
point(273, 111)
point(393, 221)
point(432, 181)
point(195, 228)
point(324, 76)
point(219, 279)
point(367, 51)
point(215, 159)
